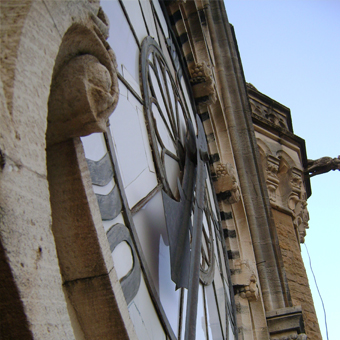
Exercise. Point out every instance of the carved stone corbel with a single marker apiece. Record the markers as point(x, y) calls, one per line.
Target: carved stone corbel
point(203, 84)
point(227, 187)
point(245, 283)
point(84, 89)
point(272, 180)
point(250, 291)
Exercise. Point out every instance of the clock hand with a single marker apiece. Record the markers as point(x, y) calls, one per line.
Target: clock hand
point(202, 158)
point(178, 216)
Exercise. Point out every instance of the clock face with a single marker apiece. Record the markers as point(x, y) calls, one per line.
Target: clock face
point(152, 183)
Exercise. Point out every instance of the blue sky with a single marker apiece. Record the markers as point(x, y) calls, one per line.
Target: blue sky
point(290, 51)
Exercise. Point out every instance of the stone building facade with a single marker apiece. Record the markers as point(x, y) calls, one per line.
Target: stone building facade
point(146, 191)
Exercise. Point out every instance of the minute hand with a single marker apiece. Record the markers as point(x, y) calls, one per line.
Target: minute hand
point(194, 276)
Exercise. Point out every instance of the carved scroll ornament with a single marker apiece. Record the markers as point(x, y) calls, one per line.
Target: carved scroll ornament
point(84, 90)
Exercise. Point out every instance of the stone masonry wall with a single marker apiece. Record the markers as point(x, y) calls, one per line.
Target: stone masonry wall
point(33, 304)
point(296, 273)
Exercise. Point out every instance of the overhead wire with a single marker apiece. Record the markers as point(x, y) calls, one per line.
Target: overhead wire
point(317, 287)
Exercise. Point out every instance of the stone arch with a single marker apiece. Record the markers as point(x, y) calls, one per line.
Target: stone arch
point(23, 178)
point(264, 151)
point(263, 147)
point(282, 155)
point(28, 261)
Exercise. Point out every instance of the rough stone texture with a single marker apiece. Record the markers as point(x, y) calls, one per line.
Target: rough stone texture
point(25, 225)
point(296, 273)
point(29, 244)
point(32, 302)
point(12, 16)
point(13, 321)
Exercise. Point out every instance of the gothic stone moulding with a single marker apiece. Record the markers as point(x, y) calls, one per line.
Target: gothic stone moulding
point(203, 84)
point(227, 187)
point(84, 90)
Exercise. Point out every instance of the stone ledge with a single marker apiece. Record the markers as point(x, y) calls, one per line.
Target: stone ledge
point(285, 320)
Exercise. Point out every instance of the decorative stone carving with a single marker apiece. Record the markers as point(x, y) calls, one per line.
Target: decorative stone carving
point(268, 113)
point(297, 203)
point(296, 179)
point(250, 291)
point(272, 180)
point(227, 187)
point(84, 89)
point(301, 219)
point(321, 166)
point(295, 182)
point(203, 84)
point(245, 282)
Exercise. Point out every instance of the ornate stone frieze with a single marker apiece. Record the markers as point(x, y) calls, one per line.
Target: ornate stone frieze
point(227, 187)
point(84, 89)
point(267, 112)
point(203, 84)
point(272, 180)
